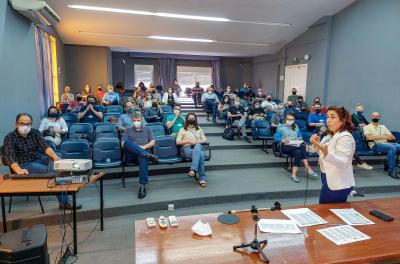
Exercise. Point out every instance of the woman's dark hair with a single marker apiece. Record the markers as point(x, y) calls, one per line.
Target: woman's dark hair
point(344, 116)
point(196, 125)
point(53, 107)
point(229, 99)
point(255, 102)
point(293, 126)
point(170, 87)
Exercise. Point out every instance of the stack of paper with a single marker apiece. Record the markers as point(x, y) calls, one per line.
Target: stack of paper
point(304, 217)
point(344, 234)
point(202, 229)
point(352, 217)
point(278, 226)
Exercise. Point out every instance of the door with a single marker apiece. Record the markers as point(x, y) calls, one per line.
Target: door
point(295, 77)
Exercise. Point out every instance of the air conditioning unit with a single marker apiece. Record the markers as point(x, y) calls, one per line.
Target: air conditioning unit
point(39, 12)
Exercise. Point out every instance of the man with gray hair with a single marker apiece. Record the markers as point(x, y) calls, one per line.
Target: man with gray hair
point(136, 143)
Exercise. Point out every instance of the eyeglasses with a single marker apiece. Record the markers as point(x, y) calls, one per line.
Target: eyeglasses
point(24, 124)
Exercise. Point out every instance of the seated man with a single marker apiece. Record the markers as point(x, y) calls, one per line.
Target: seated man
point(238, 116)
point(154, 93)
point(256, 112)
point(153, 114)
point(317, 118)
point(269, 102)
point(358, 118)
point(381, 141)
point(290, 109)
point(243, 90)
point(125, 120)
point(136, 142)
point(111, 97)
point(21, 153)
point(260, 95)
point(76, 104)
point(197, 93)
point(230, 93)
point(278, 117)
point(175, 121)
point(90, 113)
point(210, 101)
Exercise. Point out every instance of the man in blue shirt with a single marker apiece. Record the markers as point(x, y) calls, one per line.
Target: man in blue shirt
point(136, 142)
point(125, 120)
point(317, 118)
point(290, 109)
point(210, 101)
point(90, 113)
point(110, 98)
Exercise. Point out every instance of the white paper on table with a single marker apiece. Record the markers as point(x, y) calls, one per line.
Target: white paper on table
point(344, 234)
point(202, 229)
point(278, 226)
point(304, 217)
point(352, 217)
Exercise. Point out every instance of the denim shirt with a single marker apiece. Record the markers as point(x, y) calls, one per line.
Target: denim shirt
point(284, 132)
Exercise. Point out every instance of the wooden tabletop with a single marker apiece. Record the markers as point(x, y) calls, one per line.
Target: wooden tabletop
point(180, 245)
point(40, 185)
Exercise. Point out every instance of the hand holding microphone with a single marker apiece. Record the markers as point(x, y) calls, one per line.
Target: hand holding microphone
point(315, 140)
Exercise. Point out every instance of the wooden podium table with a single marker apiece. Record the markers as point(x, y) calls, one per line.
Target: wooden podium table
point(180, 245)
point(34, 187)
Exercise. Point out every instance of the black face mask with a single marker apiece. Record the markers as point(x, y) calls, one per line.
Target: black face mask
point(290, 106)
point(317, 111)
point(269, 99)
point(78, 99)
point(375, 120)
point(191, 122)
point(155, 104)
point(294, 93)
point(53, 115)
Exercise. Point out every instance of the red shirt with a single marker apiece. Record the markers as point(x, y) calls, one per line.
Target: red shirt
point(99, 95)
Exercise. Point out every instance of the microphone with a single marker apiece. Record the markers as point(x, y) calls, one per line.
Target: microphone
point(322, 131)
point(254, 213)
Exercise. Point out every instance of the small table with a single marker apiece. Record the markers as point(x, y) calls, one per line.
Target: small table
point(34, 187)
point(180, 245)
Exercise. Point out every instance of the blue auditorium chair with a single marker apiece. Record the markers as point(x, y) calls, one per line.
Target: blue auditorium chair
point(167, 151)
point(114, 109)
point(106, 131)
point(302, 124)
point(262, 131)
point(166, 108)
point(102, 108)
point(157, 128)
point(108, 116)
point(70, 118)
point(75, 149)
point(81, 131)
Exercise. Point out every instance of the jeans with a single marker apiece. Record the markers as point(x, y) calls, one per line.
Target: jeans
point(43, 166)
point(391, 149)
point(242, 125)
point(133, 151)
point(332, 196)
point(298, 153)
point(196, 154)
point(197, 98)
point(210, 105)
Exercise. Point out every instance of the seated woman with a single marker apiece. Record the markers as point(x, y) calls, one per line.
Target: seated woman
point(223, 107)
point(170, 97)
point(66, 98)
point(191, 137)
point(147, 100)
point(289, 137)
point(53, 126)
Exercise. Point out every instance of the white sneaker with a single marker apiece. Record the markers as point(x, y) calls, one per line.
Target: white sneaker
point(365, 166)
point(295, 178)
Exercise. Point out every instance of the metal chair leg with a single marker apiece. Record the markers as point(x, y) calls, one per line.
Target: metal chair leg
point(123, 179)
point(41, 205)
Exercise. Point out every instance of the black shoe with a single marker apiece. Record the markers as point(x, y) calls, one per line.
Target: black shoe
point(69, 206)
point(394, 175)
point(142, 192)
point(153, 158)
point(246, 139)
point(214, 121)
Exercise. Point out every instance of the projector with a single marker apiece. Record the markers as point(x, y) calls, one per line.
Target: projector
point(73, 165)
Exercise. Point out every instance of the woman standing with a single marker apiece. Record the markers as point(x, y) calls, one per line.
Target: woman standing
point(335, 156)
point(191, 137)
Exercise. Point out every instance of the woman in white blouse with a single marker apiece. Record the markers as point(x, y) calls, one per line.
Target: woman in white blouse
point(335, 156)
point(53, 126)
point(170, 97)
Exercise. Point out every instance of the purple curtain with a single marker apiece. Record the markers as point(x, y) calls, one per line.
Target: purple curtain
point(166, 72)
point(45, 74)
point(216, 74)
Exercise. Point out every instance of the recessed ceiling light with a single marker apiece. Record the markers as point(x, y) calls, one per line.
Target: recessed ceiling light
point(181, 39)
point(172, 15)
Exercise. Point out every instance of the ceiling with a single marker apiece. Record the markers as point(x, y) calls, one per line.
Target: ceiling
point(127, 32)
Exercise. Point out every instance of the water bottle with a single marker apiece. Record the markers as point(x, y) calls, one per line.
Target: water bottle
point(171, 207)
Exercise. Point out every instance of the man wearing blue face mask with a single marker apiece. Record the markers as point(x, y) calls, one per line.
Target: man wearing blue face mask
point(21, 153)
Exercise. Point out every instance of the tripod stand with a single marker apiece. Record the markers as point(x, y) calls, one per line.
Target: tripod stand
point(255, 245)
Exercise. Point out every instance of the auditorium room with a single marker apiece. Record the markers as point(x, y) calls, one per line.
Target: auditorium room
point(199, 131)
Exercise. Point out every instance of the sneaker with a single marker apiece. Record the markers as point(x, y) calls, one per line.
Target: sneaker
point(295, 178)
point(312, 174)
point(365, 166)
point(394, 175)
point(246, 139)
point(69, 206)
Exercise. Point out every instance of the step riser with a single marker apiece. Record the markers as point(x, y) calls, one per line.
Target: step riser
point(186, 203)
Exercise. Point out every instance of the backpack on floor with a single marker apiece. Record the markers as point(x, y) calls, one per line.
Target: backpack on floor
point(229, 134)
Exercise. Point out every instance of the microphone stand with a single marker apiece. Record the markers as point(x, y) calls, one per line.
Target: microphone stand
point(255, 245)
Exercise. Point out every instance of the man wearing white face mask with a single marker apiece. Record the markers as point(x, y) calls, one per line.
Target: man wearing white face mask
point(210, 101)
point(21, 153)
point(175, 121)
point(136, 142)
